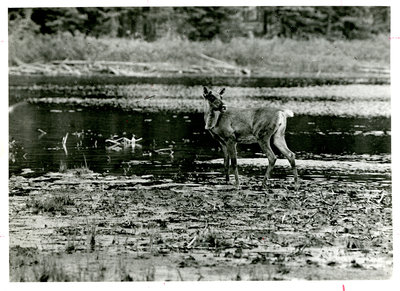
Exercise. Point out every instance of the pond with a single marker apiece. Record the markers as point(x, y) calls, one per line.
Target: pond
point(161, 205)
point(172, 143)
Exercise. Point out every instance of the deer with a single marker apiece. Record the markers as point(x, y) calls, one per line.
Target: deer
point(230, 126)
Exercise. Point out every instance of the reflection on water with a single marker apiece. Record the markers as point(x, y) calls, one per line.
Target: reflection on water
point(39, 133)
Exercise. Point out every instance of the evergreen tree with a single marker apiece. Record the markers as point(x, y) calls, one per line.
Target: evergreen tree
point(205, 23)
point(52, 20)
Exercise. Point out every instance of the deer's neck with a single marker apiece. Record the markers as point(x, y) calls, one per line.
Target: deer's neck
point(210, 116)
point(207, 109)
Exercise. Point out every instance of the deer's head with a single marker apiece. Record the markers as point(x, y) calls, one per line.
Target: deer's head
point(214, 99)
point(215, 107)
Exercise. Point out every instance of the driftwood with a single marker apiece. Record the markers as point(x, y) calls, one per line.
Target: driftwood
point(64, 144)
point(123, 142)
point(102, 63)
point(219, 62)
point(373, 69)
point(225, 64)
point(42, 133)
point(118, 68)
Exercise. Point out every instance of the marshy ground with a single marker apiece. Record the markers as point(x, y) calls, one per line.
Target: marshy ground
point(82, 226)
point(79, 225)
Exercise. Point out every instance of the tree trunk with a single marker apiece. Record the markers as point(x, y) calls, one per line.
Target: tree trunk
point(265, 22)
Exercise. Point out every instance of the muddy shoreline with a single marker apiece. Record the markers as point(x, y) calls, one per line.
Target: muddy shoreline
point(83, 226)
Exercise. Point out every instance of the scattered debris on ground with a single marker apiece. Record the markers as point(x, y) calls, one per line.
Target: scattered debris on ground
point(96, 227)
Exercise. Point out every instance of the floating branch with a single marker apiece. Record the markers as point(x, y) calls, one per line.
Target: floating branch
point(165, 151)
point(123, 142)
point(42, 133)
point(64, 144)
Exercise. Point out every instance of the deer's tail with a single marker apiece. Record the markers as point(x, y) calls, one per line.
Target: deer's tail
point(288, 113)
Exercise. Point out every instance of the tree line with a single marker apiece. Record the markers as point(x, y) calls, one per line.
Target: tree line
point(204, 23)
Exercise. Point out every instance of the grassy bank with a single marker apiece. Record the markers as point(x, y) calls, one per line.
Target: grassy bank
point(262, 56)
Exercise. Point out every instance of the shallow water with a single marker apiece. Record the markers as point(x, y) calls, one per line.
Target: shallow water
point(192, 80)
point(39, 130)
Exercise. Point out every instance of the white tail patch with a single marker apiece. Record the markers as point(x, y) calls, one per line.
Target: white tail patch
point(288, 113)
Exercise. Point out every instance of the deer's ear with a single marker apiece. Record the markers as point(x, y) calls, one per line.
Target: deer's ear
point(222, 91)
point(205, 90)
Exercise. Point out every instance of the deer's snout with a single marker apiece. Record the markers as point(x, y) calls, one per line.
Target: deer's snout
point(221, 107)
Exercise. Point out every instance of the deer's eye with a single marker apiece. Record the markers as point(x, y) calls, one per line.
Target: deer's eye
point(212, 98)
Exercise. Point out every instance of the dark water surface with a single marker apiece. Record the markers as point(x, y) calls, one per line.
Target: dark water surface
point(183, 134)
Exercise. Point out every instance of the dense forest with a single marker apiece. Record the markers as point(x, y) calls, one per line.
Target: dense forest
point(204, 23)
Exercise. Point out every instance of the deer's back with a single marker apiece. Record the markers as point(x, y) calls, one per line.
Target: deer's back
point(253, 117)
point(248, 124)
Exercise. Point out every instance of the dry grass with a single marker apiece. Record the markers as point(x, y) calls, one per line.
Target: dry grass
point(51, 204)
point(276, 55)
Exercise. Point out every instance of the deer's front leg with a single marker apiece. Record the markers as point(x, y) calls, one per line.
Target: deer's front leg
point(226, 162)
point(231, 146)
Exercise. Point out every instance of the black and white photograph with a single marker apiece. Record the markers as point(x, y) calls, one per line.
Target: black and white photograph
point(199, 143)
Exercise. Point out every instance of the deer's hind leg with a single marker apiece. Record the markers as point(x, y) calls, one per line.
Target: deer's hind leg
point(266, 147)
point(280, 143)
